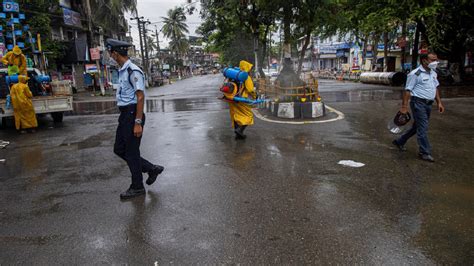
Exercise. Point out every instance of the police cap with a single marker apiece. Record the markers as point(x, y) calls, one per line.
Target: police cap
point(120, 47)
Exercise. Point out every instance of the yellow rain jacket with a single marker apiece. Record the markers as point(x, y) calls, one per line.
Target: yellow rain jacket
point(16, 58)
point(241, 113)
point(23, 110)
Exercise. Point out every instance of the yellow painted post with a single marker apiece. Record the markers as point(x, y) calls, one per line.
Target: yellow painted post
point(38, 39)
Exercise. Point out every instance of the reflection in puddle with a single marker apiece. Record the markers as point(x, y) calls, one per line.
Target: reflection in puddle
point(387, 94)
point(213, 104)
point(152, 105)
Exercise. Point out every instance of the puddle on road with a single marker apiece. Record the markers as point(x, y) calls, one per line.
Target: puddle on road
point(152, 106)
point(388, 94)
point(361, 96)
point(214, 104)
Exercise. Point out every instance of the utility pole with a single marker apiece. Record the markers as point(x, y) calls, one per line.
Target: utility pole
point(138, 19)
point(145, 38)
point(158, 46)
point(92, 45)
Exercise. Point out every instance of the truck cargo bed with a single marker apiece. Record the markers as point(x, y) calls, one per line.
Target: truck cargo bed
point(43, 104)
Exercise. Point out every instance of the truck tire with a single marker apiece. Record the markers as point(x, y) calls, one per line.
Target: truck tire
point(57, 117)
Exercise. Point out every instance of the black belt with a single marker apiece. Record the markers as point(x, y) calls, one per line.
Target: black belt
point(128, 108)
point(418, 99)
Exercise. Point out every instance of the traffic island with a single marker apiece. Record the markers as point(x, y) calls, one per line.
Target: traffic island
point(292, 102)
point(297, 113)
point(295, 110)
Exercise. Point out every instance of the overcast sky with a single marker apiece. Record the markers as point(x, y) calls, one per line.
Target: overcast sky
point(155, 9)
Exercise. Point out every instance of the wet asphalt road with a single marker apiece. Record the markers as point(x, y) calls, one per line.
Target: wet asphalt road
point(279, 197)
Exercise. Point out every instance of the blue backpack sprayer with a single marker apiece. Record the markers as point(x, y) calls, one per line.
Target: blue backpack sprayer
point(232, 89)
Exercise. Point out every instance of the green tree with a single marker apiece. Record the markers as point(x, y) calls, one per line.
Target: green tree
point(174, 28)
point(151, 46)
point(244, 28)
point(38, 14)
point(110, 14)
point(450, 32)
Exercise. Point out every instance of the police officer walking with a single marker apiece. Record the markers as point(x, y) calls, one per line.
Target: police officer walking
point(130, 100)
point(421, 89)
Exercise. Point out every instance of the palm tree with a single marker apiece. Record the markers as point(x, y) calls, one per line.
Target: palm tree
point(152, 47)
point(174, 28)
point(110, 14)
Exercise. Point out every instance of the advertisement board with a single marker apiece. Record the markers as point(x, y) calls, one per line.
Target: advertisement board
point(91, 68)
point(72, 18)
point(95, 53)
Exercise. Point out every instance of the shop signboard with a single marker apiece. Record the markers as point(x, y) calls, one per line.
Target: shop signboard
point(402, 42)
point(71, 18)
point(91, 68)
point(2, 49)
point(65, 3)
point(327, 49)
point(341, 53)
point(95, 53)
point(10, 6)
point(327, 56)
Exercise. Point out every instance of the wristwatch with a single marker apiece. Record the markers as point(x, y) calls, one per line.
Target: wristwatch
point(138, 121)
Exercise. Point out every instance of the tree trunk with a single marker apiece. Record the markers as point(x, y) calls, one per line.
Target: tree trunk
point(414, 53)
point(303, 51)
point(264, 52)
point(364, 52)
point(288, 76)
point(287, 34)
point(255, 52)
point(385, 52)
point(375, 50)
point(403, 48)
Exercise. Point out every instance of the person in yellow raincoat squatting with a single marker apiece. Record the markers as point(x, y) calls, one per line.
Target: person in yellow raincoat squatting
point(241, 113)
point(16, 62)
point(23, 111)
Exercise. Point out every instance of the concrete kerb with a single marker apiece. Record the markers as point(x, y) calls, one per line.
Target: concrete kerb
point(339, 114)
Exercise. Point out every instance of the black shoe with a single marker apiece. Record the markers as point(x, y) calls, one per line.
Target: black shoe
point(400, 147)
point(240, 137)
point(153, 174)
point(131, 193)
point(239, 132)
point(426, 157)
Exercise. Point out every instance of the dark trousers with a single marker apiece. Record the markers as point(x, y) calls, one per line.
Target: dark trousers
point(421, 110)
point(127, 146)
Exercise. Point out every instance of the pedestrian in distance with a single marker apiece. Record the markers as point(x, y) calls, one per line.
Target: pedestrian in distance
point(130, 100)
point(23, 109)
point(422, 91)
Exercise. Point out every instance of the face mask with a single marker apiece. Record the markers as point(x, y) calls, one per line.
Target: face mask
point(433, 65)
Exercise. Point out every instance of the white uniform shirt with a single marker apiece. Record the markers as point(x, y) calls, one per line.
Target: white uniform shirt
point(129, 84)
point(422, 84)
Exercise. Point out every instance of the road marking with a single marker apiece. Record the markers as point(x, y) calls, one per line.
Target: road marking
point(340, 116)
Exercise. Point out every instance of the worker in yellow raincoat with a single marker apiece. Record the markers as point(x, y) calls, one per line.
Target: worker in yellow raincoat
point(241, 113)
point(23, 111)
point(16, 62)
